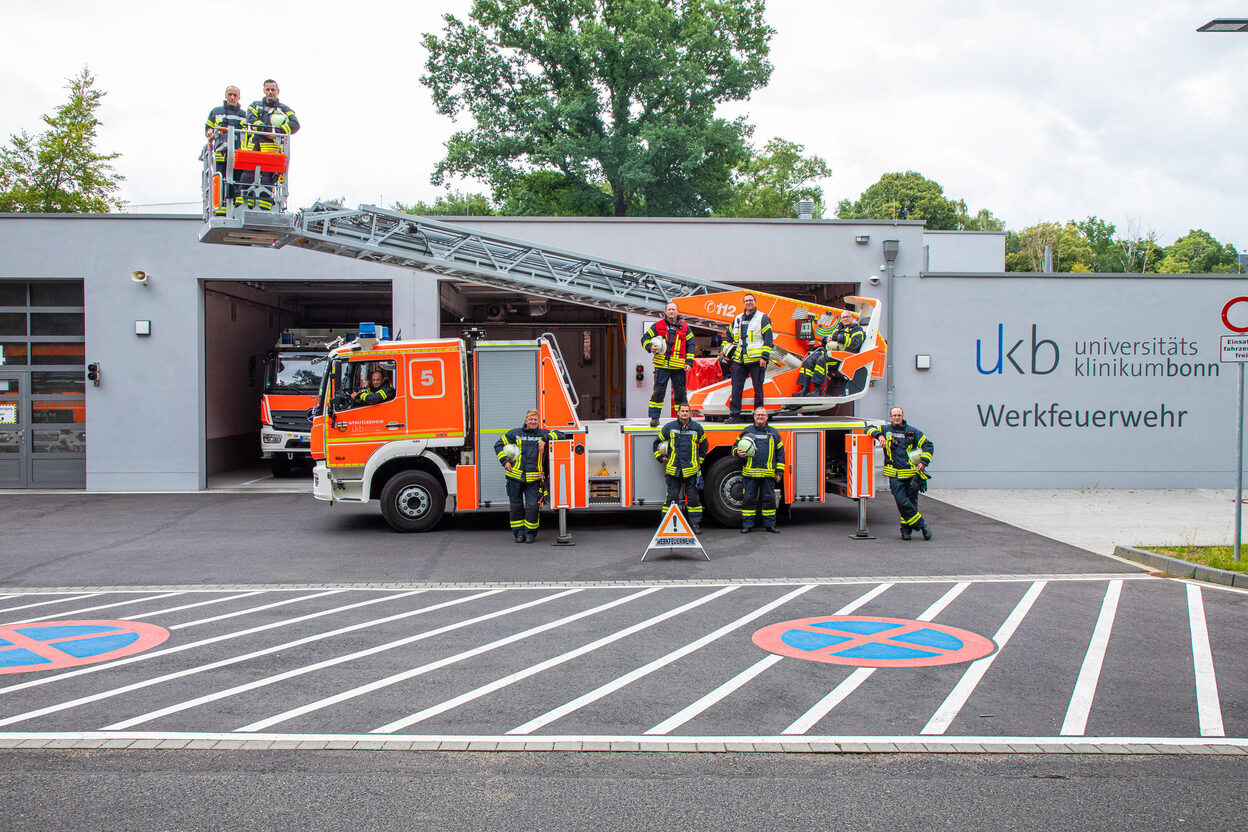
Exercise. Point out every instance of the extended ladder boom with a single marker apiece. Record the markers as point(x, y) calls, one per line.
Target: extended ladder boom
point(381, 236)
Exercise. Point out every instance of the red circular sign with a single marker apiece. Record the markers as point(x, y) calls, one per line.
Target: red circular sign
point(1226, 314)
point(868, 641)
point(52, 645)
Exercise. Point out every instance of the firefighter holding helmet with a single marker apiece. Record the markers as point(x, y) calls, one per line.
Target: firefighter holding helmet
point(521, 451)
point(670, 340)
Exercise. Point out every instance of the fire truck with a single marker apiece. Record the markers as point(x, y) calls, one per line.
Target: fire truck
point(290, 380)
point(428, 450)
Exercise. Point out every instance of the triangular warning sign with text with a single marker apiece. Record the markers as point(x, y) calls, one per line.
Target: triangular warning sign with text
point(674, 533)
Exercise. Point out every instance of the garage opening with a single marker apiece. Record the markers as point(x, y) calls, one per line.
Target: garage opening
point(253, 380)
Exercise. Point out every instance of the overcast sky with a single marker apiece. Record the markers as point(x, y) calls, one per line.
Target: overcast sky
point(1038, 112)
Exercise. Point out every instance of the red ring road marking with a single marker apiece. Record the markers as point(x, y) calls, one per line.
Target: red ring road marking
point(974, 646)
point(149, 635)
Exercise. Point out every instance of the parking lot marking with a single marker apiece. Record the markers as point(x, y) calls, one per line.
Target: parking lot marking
point(212, 640)
point(1208, 707)
point(248, 611)
point(191, 671)
point(698, 706)
point(511, 679)
point(26, 648)
point(8, 610)
point(628, 678)
point(448, 660)
point(71, 613)
point(1076, 721)
point(210, 601)
point(825, 705)
point(949, 709)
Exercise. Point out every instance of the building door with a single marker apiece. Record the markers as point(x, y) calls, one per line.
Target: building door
point(14, 431)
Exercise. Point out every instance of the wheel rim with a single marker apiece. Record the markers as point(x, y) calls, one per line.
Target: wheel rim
point(413, 502)
point(732, 491)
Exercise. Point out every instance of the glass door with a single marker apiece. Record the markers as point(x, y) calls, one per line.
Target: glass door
point(14, 431)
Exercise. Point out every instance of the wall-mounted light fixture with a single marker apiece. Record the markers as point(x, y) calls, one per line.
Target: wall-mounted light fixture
point(142, 327)
point(862, 239)
point(922, 362)
point(139, 276)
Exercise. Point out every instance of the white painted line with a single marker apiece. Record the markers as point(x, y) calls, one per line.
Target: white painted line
point(449, 660)
point(257, 479)
point(283, 603)
point(141, 657)
point(1080, 706)
point(697, 707)
point(628, 678)
point(81, 610)
point(1208, 708)
point(222, 599)
point(499, 684)
point(336, 660)
point(53, 601)
point(850, 684)
point(945, 714)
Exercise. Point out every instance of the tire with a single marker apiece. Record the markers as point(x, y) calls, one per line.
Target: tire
point(281, 466)
point(722, 495)
point(412, 501)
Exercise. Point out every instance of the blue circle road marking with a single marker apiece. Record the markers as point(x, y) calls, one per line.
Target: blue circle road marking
point(52, 645)
point(867, 641)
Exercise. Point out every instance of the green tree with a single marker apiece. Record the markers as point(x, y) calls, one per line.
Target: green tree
point(1071, 250)
point(453, 204)
point(1198, 253)
point(906, 196)
point(549, 193)
point(59, 171)
point(770, 184)
point(614, 92)
point(984, 220)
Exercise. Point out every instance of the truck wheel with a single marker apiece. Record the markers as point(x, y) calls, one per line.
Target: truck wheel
point(281, 466)
point(722, 495)
point(412, 501)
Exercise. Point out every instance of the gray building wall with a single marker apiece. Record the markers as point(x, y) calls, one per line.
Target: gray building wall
point(147, 422)
point(1070, 381)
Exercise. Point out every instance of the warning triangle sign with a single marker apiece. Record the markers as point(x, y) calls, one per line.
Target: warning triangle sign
point(674, 533)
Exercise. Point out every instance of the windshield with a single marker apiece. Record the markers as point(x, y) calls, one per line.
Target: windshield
point(294, 373)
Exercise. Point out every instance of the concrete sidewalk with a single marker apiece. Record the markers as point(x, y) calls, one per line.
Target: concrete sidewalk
point(1099, 519)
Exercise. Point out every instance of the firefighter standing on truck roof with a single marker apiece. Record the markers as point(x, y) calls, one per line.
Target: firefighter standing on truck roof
point(907, 453)
point(669, 362)
point(763, 471)
point(750, 333)
point(686, 447)
point(524, 472)
point(267, 117)
point(220, 119)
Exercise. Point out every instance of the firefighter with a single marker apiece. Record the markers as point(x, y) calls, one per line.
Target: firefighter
point(377, 391)
point(670, 361)
point(813, 372)
point(220, 119)
point(847, 336)
point(751, 334)
point(907, 453)
point(763, 471)
point(521, 451)
point(681, 446)
point(267, 117)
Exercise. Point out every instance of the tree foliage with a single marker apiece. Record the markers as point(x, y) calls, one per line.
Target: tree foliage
point(614, 93)
point(59, 170)
point(453, 204)
point(771, 183)
point(1198, 253)
point(905, 196)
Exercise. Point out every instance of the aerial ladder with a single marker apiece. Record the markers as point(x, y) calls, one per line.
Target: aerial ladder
point(378, 235)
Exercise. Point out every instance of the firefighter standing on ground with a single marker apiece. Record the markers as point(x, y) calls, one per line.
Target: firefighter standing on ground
point(682, 462)
point(750, 335)
point(907, 475)
point(524, 473)
point(268, 117)
point(763, 471)
point(671, 361)
point(220, 119)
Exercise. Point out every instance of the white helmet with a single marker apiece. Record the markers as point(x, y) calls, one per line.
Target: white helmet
point(277, 119)
point(746, 445)
point(916, 456)
point(664, 447)
point(658, 344)
point(511, 451)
